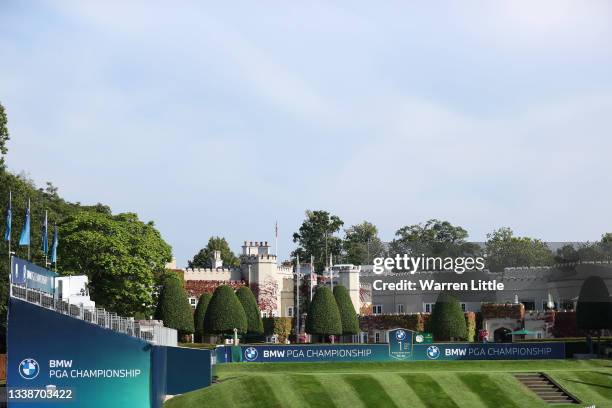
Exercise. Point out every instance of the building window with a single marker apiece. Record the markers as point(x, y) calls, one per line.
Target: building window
point(377, 337)
point(529, 305)
point(377, 309)
point(428, 307)
point(400, 308)
point(264, 314)
point(290, 311)
point(193, 302)
point(539, 335)
point(463, 307)
point(567, 305)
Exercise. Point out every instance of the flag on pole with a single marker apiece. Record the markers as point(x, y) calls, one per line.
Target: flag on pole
point(54, 247)
point(24, 239)
point(45, 238)
point(9, 218)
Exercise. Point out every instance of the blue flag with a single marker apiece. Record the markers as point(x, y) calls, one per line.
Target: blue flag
point(45, 238)
point(54, 247)
point(9, 219)
point(24, 239)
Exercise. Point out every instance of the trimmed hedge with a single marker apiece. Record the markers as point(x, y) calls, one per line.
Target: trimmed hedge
point(173, 308)
point(224, 313)
point(198, 316)
point(447, 321)
point(279, 326)
point(323, 314)
point(415, 322)
point(253, 314)
point(502, 310)
point(348, 316)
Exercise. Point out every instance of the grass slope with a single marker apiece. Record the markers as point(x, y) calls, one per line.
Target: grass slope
point(427, 384)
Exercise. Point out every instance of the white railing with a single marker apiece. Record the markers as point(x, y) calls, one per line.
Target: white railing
point(160, 335)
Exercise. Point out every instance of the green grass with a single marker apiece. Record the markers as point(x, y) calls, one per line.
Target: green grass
point(426, 384)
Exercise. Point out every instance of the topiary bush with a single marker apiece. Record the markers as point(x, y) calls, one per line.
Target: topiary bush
point(323, 314)
point(279, 326)
point(198, 316)
point(224, 313)
point(447, 321)
point(348, 316)
point(173, 307)
point(594, 308)
point(253, 314)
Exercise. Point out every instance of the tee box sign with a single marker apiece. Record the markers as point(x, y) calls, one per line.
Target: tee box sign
point(400, 343)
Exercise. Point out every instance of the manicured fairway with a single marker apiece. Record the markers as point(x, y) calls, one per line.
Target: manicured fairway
point(427, 384)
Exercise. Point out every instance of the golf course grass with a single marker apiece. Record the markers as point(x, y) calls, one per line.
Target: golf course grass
point(427, 384)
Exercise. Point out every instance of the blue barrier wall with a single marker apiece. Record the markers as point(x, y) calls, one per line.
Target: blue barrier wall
point(187, 369)
point(382, 352)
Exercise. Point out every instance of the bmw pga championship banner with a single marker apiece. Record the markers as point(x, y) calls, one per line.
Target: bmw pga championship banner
point(28, 274)
point(57, 361)
point(489, 351)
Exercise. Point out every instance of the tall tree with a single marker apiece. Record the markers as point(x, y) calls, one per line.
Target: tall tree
point(323, 315)
point(505, 250)
point(225, 313)
point(447, 321)
point(362, 244)
point(173, 307)
point(253, 314)
point(316, 238)
point(4, 135)
point(198, 317)
point(348, 316)
point(433, 238)
point(203, 259)
point(120, 254)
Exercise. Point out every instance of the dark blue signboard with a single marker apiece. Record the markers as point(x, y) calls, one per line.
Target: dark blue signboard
point(33, 276)
point(489, 351)
point(400, 344)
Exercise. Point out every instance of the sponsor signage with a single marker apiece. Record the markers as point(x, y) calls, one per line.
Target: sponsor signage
point(489, 351)
point(423, 338)
point(312, 353)
point(27, 274)
point(400, 344)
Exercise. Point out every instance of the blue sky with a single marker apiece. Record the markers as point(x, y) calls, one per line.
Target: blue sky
point(220, 120)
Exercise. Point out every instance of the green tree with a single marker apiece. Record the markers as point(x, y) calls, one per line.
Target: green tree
point(594, 307)
point(505, 250)
point(362, 244)
point(225, 313)
point(323, 315)
point(348, 316)
point(316, 238)
point(4, 135)
point(253, 314)
point(120, 254)
point(173, 307)
point(203, 259)
point(198, 316)
point(447, 321)
point(433, 238)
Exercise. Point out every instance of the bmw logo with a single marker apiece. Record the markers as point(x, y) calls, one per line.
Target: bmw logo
point(29, 369)
point(433, 352)
point(250, 354)
point(400, 335)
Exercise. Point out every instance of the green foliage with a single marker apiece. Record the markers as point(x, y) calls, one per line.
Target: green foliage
point(447, 321)
point(253, 314)
point(203, 259)
point(198, 316)
point(594, 308)
point(4, 135)
point(362, 244)
point(433, 238)
point(316, 238)
point(506, 250)
point(173, 307)
point(323, 315)
point(225, 313)
point(279, 326)
point(414, 322)
point(348, 316)
point(119, 253)
point(470, 325)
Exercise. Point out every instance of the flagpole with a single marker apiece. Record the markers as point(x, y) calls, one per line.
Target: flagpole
point(45, 238)
point(30, 215)
point(297, 316)
point(276, 241)
point(11, 231)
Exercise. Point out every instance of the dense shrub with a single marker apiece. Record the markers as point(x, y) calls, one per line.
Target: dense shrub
point(348, 316)
point(279, 326)
point(198, 316)
point(253, 315)
point(173, 307)
point(447, 321)
point(323, 315)
point(224, 313)
point(594, 308)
